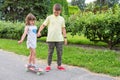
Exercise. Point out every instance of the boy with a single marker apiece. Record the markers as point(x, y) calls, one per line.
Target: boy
point(56, 32)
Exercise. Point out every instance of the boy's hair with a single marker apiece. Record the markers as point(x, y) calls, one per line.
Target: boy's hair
point(57, 7)
point(29, 17)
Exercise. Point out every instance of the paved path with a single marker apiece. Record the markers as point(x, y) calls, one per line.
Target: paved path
point(12, 68)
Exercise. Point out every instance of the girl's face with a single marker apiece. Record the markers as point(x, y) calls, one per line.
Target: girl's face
point(32, 22)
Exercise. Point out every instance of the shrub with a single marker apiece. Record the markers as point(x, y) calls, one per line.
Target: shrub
point(11, 30)
point(15, 30)
point(104, 26)
point(73, 9)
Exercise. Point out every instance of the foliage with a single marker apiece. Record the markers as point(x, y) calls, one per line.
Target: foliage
point(96, 8)
point(97, 27)
point(62, 2)
point(14, 10)
point(90, 7)
point(104, 27)
point(10, 30)
point(73, 9)
point(79, 3)
point(15, 30)
point(110, 3)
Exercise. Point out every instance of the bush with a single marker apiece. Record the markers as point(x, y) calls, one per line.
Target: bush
point(73, 9)
point(104, 26)
point(11, 30)
point(15, 30)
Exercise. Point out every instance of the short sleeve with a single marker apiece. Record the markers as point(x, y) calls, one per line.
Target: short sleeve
point(46, 22)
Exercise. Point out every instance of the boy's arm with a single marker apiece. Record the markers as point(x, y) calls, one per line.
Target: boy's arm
point(40, 29)
point(23, 36)
point(64, 35)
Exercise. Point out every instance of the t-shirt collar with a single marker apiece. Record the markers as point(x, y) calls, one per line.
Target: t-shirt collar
point(55, 16)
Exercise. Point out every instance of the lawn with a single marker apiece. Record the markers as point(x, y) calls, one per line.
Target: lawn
point(96, 60)
point(79, 40)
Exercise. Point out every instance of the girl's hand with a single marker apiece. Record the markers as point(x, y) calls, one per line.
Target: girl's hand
point(65, 41)
point(20, 41)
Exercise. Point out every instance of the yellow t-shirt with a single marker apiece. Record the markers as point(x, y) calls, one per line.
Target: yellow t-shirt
point(55, 24)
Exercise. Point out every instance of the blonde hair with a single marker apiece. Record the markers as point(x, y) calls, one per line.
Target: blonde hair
point(29, 17)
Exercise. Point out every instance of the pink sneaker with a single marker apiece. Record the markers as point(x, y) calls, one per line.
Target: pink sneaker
point(61, 68)
point(48, 68)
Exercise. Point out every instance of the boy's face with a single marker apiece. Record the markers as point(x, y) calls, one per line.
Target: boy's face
point(56, 13)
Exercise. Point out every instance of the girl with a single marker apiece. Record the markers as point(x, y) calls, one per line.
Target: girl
point(30, 30)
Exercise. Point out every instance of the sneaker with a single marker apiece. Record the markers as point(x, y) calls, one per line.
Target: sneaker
point(29, 65)
point(48, 68)
point(61, 68)
point(35, 67)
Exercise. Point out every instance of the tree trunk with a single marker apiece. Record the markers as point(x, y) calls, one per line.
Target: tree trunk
point(110, 44)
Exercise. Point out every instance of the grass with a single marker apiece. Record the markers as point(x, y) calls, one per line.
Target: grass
point(79, 40)
point(96, 60)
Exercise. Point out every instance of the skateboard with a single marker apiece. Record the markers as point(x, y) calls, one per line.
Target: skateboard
point(38, 71)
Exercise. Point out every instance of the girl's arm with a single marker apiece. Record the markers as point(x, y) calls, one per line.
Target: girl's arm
point(24, 35)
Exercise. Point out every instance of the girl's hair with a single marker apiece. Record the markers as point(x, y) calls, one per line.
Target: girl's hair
point(29, 17)
point(57, 7)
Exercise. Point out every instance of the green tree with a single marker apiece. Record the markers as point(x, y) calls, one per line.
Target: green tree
point(79, 3)
point(1, 3)
point(64, 4)
point(90, 7)
point(110, 3)
point(105, 4)
point(14, 10)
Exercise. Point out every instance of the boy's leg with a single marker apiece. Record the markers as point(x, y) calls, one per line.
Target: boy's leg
point(51, 46)
point(59, 46)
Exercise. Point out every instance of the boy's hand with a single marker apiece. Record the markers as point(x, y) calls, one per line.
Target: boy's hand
point(65, 41)
point(20, 41)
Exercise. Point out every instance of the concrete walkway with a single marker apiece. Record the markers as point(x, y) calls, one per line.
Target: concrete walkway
point(12, 68)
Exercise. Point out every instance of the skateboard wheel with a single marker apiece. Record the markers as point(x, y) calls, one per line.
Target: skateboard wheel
point(27, 70)
point(38, 73)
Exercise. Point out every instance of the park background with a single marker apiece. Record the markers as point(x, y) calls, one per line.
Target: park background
point(93, 31)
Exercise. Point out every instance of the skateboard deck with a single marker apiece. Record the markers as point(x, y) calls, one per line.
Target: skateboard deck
point(38, 71)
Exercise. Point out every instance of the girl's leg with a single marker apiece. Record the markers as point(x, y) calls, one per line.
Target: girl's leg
point(30, 57)
point(33, 55)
